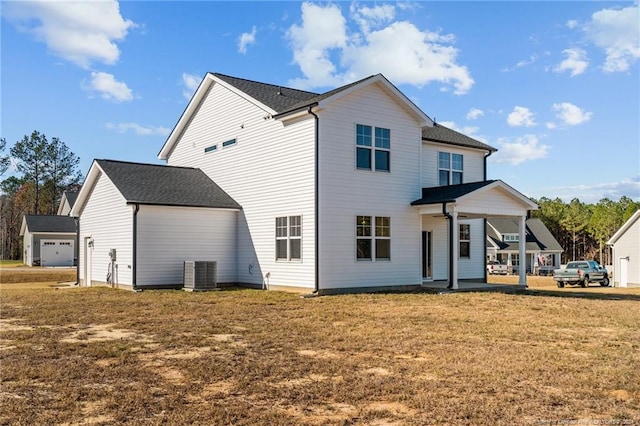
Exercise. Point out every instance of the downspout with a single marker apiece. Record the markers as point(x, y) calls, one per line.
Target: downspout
point(450, 219)
point(486, 274)
point(134, 270)
point(77, 220)
point(317, 201)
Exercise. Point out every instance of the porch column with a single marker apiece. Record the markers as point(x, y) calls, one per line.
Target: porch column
point(522, 244)
point(455, 249)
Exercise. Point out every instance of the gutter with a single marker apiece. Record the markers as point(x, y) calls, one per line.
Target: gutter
point(451, 230)
point(77, 220)
point(135, 248)
point(317, 201)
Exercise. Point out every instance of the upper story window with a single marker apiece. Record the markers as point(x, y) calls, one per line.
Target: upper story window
point(228, 143)
point(373, 148)
point(450, 168)
point(510, 238)
point(211, 148)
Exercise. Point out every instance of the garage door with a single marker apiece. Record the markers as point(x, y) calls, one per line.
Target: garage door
point(56, 253)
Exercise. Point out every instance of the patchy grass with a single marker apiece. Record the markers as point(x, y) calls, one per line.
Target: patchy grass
point(10, 263)
point(11, 275)
point(245, 357)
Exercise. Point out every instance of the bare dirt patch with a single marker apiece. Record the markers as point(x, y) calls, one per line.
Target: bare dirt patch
point(102, 333)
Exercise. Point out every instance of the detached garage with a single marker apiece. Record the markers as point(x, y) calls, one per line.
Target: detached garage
point(139, 223)
point(49, 240)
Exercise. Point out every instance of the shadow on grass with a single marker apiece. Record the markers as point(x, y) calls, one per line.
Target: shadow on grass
point(579, 295)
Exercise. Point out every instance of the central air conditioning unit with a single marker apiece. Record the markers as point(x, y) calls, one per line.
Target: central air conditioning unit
point(200, 276)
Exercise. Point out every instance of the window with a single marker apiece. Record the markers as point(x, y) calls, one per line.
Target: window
point(289, 238)
point(511, 238)
point(465, 240)
point(228, 143)
point(373, 238)
point(211, 148)
point(373, 148)
point(450, 167)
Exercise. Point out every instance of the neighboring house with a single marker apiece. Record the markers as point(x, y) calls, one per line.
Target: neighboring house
point(353, 189)
point(66, 203)
point(542, 250)
point(49, 240)
point(626, 253)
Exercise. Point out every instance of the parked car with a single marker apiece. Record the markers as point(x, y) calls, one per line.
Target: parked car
point(581, 273)
point(495, 267)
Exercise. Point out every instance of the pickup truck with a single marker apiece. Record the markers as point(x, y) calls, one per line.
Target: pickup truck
point(495, 267)
point(581, 272)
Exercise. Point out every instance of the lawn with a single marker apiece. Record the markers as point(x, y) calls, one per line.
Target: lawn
point(247, 357)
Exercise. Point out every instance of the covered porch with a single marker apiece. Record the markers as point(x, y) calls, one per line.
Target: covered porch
point(453, 229)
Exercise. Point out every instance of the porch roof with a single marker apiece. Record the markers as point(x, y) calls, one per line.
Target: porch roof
point(448, 193)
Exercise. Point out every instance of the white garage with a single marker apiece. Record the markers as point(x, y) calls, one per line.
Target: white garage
point(56, 252)
point(49, 240)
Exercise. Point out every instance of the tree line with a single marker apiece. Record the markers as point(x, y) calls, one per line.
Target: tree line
point(584, 229)
point(45, 169)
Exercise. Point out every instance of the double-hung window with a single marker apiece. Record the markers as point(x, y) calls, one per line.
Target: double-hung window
point(289, 238)
point(373, 238)
point(450, 168)
point(465, 240)
point(373, 148)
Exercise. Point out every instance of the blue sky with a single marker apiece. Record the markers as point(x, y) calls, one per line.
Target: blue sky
point(555, 86)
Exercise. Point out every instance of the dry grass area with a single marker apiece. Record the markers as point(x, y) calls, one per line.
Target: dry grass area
point(24, 274)
point(246, 357)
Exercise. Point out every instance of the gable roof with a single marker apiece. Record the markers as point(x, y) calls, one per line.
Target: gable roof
point(449, 193)
point(52, 224)
point(442, 134)
point(279, 101)
point(154, 184)
point(68, 199)
point(620, 232)
point(538, 237)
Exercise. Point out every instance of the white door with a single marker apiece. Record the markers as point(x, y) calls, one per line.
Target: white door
point(624, 271)
point(88, 249)
point(56, 252)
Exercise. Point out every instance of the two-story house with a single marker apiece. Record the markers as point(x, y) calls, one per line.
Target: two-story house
point(353, 189)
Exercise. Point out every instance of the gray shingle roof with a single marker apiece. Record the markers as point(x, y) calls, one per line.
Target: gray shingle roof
point(284, 100)
point(50, 223)
point(440, 133)
point(448, 193)
point(72, 196)
point(154, 184)
point(538, 237)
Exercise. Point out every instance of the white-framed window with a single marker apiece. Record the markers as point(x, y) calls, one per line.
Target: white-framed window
point(211, 148)
point(373, 238)
point(228, 143)
point(373, 148)
point(511, 238)
point(450, 168)
point(289, 238)
point(465, 240)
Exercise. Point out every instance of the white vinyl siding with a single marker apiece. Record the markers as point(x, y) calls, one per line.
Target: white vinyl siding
point(473, 163)
point(167, 236)
point(346, 192)
point(269, 172)
point(108, 220)
point(627, 245)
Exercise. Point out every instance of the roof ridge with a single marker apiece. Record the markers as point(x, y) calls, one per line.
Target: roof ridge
point(145, 164)
point(217, 74)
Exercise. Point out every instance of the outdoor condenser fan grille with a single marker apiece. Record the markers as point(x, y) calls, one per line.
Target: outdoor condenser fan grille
point(200, 275)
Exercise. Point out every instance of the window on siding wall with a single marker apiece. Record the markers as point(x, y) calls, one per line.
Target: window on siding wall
point(450, 168)
point(211, 148)
point(465, 240)
point(289, 238)
point(373, 148)
point(373, 238)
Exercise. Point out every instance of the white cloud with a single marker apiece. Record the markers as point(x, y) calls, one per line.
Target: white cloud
point(572, 23)
point(570, 114)
point(629, 187)
point(190, 83)
point(618, 33)
point(245, 40)
point(523, 149)
point(81, 32)
point(523, 63)
point(329, 56)
point(474, 113)
point(108, 87)
point(521, 116)
point(138, 129)
point(576, 62)
point(550, 125)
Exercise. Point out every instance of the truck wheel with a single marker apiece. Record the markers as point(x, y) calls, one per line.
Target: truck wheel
point(585, 282)
point(605, 282)
point(560, 284)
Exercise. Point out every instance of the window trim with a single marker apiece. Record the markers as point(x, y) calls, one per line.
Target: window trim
point(288, 236)
point(375, 145)
point(371, 232)
point(230, 142)
point(212, 148)
point(451, 171)
point(462, 240)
